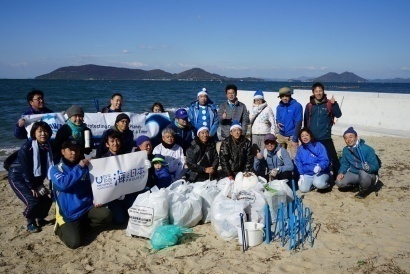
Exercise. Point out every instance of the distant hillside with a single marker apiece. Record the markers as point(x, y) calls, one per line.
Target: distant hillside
point(95, 72)
point(347, 77)
point(395, 80)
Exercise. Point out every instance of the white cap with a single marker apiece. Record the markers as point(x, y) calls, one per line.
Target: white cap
point(202, 92)
point(201, 129)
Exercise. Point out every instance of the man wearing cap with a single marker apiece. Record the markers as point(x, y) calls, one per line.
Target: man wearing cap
point(235, 153)
point(35, 99)
point(319, 118)
point(75, 208)
point(202, 157)
point(274, 161)
point(289, 116)
point(359, 164)
point(121, 125)
point(184, 130)
point(232, 110)
point(73, 130)
point(203, 113)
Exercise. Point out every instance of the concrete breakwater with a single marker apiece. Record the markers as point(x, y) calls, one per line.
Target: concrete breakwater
point(370, 113)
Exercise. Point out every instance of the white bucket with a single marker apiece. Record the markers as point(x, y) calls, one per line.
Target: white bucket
point(254, 233)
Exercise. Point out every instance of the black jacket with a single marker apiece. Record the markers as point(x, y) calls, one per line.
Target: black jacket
point(235, 156)
point(200, 156)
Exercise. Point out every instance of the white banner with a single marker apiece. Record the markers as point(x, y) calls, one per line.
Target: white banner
point(114, 176)
point(140, 124)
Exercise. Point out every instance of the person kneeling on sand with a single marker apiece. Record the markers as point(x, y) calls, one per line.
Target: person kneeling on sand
point(312, 163)
point(274, 162)
point(359, 164)
point(75, 208)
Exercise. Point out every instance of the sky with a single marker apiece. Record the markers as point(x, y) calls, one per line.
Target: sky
point(265, 39)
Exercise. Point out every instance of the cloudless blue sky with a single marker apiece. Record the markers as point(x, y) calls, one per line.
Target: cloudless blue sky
point(268, 39)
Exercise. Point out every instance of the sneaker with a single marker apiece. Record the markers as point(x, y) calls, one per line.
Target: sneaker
point(43, 222)
point(33, 228)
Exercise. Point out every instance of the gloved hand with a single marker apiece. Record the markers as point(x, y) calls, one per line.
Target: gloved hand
point(317, 169)
point(41, 190)
point(301, 180)
point(274, 172)
point(366, 167)
point(148, 163)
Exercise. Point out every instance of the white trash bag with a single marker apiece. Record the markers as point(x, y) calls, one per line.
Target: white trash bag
point(208, 190)
point(149, 211)
point(257, 202)
point(225, 213)
point(185, 206)
point(245, 181)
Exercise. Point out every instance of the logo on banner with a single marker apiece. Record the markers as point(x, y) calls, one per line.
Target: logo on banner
point(106, 181)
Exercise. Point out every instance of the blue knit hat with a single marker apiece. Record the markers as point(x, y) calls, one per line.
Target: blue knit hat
point(350, 130)
point(258, 94)
point(141, 139)
point(235, 124)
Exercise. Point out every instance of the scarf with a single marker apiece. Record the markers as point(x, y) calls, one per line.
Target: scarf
point(167, 146)
point(36, 157)
point(77, 131)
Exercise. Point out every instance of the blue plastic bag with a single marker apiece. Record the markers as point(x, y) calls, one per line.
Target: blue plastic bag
point(167, 235)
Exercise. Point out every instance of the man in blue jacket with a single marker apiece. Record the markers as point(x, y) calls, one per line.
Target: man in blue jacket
point(203, 113)
point(184, 130)
point(359, 164)
point(35, 99)
point(319, 118)
point(75, 208)
point(289, 117)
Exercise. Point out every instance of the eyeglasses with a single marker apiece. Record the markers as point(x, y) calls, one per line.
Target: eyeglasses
point(284, 95)
point(38, 99)
point(124, 121)
point(270, 142)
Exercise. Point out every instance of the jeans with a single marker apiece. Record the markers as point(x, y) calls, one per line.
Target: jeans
point(320, 181)
point(363, 179)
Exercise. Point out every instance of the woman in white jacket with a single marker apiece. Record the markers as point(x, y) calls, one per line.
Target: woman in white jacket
point(262, 120)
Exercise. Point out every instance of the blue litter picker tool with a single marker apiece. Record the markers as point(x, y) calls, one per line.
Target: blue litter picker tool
point(296, 227)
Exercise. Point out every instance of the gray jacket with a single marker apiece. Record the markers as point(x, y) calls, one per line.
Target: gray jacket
point(238, 113)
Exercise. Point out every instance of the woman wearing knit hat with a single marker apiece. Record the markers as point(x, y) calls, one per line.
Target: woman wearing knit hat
point(122, 123)
point(202, 157)
point(359, 165)
point(76, 130)
point(235, 153)
point(262, 120)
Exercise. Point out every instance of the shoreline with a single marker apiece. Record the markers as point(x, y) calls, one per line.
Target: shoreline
point(351, 236)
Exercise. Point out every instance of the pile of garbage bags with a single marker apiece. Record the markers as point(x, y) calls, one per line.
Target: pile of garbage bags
point(185, 204)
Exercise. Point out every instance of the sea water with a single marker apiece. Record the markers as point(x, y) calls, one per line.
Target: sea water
point(138, 96)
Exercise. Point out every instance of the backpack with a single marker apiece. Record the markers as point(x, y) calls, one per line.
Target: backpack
point(329, 112)
point(10, 160)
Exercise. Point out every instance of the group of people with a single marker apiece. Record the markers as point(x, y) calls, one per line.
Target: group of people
point(279, 148)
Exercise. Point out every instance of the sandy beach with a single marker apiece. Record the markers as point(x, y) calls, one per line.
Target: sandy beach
point(351, 236)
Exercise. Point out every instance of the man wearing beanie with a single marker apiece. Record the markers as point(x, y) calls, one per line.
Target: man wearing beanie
point(289, 116)
point(319, 118)
point(122, 125)
point(202, 158)
point(203, 113)
point(73, 130)
point(232, 110)
point(359, 165)
point(184, 130)
point(235, 153)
